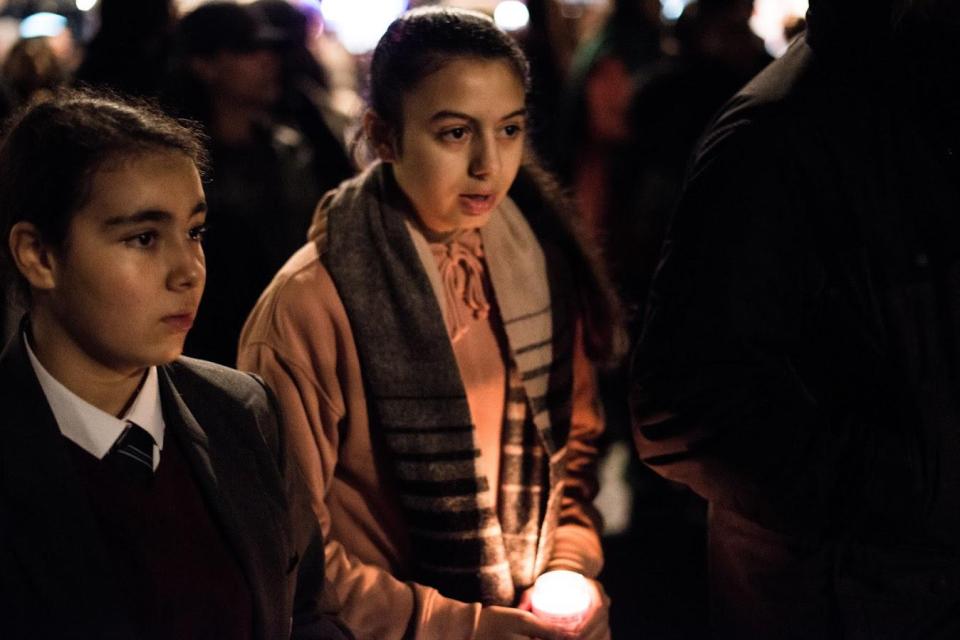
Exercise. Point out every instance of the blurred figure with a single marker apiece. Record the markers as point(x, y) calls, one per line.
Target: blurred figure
point(541, 44)
point(264, 181)
point(594, 109)
point(717, 54)
point(304, 96)
point(131, 50)
point(800, 364)
point(32, 70)
point(55, 29)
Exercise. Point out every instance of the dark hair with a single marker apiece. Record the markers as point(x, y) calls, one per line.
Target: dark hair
point(53, 148)
point(421, 42)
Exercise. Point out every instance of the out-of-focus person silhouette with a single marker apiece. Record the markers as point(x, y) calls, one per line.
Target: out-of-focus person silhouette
point(305, 100)
point(539, 42)
point(594, 124)
point(131, 50)
point(800, 362)
point(32, 70)
point(263, 178)
point(717, 53)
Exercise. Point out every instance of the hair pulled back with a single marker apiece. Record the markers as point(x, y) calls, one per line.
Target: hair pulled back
point(52, 149)
point(421, 42)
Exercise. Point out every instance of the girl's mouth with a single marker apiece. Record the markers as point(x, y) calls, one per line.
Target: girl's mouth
point(476, 204)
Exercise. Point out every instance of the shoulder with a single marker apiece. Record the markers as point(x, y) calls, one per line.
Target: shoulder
point(299, 309)
point(226, 400)
point(776, 118)
point(217, 385)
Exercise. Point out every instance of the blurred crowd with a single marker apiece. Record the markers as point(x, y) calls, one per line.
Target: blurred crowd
point(619, 98)
point(618, 104)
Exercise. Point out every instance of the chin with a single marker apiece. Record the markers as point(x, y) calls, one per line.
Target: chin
point(166, 356)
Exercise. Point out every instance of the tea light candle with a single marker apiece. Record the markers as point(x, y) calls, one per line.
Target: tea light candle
point(562, 598)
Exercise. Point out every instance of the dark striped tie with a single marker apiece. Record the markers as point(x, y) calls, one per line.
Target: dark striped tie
point(133, 452)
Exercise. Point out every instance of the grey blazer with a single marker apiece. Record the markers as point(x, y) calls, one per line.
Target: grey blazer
point(55, 580)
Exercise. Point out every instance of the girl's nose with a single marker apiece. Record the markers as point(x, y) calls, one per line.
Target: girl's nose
point(485, 160)
point(188, 268)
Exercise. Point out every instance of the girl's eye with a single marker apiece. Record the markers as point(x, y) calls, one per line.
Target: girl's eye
point(143, 240)
point(457, 134)
point(198, 233)
point(512, 130)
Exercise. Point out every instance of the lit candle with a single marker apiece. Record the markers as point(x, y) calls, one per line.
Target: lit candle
point(562, 598)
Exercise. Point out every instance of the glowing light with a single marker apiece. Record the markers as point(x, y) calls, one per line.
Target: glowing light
point(561, 597)
point(359, 25)
point(86, 5)
point(769, 18)
point(511, 15)
point(673, 8)
point(43, 24)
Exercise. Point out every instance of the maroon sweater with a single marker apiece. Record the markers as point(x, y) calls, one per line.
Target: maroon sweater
point(177, 576)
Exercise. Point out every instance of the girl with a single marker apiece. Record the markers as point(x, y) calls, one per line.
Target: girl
point(138, 495)
point(429, 349)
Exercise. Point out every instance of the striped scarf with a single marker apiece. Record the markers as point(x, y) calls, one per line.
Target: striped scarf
point(418, 404)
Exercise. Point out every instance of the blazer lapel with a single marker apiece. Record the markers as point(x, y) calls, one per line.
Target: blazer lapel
point(50, 522)
point(182, 424)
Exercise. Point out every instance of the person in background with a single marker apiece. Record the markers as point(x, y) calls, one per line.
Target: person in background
point(800, 363)
point(142, 495)
point(717, 55)
point(31, 71)
point(305, 100)
point(433, 350)
point(594, 124)
point(264, 183)
point(131, 50)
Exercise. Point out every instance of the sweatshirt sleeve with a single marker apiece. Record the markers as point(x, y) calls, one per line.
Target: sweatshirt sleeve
point(298, 339)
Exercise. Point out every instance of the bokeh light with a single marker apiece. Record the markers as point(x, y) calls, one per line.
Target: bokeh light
point(42, 25)
point(769, 19)
point(359, 25)
point(511, 15)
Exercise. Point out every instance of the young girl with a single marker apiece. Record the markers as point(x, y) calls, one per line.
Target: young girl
point(142, 495)
point(429, 349)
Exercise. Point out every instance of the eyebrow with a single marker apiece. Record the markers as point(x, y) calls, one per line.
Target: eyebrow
point(442, 115)
point(149, 215)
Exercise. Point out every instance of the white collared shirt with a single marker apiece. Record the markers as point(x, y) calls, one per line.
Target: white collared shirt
point(93, 429)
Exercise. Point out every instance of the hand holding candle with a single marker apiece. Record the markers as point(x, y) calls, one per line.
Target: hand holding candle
point(561, 598)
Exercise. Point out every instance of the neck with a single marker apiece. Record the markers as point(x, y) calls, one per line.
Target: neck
point(110, 389)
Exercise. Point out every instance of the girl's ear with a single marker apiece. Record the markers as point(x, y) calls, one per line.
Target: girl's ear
point(380, 136)
point(32, 256)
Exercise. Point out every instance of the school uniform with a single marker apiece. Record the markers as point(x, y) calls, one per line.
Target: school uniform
point(214, 540)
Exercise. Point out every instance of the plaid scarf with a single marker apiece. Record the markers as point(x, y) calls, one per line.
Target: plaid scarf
point(418, 404)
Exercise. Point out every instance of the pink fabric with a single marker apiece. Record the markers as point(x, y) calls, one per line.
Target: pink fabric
point(460, 261)
point(476, 334)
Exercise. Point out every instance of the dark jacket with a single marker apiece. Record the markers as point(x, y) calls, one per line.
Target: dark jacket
point(800, 363)
point(55, 579)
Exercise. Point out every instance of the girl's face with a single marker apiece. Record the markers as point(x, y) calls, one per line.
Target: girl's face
point(462, 142)
point(126, 284)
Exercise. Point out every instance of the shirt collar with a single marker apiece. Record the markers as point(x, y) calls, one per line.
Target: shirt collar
point(91, 428)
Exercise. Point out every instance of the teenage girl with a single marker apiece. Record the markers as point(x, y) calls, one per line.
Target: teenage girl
point(431, 348)
point(142, 495)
